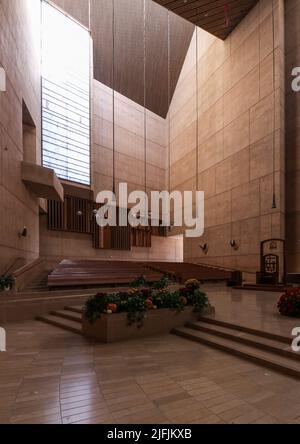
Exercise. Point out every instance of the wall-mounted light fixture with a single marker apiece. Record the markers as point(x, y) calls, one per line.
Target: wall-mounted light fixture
point(2, 80)
point(233, 243)
point(204, 248)
point(23, 233)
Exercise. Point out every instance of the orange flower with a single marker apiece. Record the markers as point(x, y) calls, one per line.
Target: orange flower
point(112, 307)
point(183, 300)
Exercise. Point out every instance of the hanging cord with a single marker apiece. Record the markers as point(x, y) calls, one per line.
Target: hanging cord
point(90, 9)
point(197, 111)
point(145, 98)
point(274, 203)
point(169, 100)
point(113, 105)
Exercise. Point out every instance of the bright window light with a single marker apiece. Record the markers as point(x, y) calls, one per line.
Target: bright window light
point(65, 96)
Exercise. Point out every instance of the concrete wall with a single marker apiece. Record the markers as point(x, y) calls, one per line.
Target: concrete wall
point(235, 156)
point(129, 168)
point(292, 58)
point(20, 57)
point(130, 150)
point(236, 128)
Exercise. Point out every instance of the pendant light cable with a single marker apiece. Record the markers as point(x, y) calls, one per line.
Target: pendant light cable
point(274, 203)
point(169, 100)
point(197, 111)
point(145, 96)
point(113, 87)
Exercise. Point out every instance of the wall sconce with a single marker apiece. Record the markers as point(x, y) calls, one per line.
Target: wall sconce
point(2, 80)
point(204, 248)
point(234, 244)
point(23, 233)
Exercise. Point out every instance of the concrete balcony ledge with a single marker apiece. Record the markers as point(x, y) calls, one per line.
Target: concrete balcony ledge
point(42, 181)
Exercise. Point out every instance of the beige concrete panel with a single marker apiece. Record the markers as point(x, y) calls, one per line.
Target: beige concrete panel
point(237, 135)
point(242, 96)
point(245, 201)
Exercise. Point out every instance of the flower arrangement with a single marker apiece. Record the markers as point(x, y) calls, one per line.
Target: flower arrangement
point(192, 284)
point(6, 282)
point(141, 282)
point(136, 302)
point(289, 303)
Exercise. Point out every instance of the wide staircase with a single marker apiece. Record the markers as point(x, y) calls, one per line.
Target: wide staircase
point(263, 348)
point(38, 285)
point(96, 273)
point(260, 347)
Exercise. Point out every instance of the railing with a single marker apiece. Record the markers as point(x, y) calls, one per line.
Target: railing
point(28, 273)
point(11, 269)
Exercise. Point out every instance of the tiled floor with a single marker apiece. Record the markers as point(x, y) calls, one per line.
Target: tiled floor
point(254, 309)
point(52, 376)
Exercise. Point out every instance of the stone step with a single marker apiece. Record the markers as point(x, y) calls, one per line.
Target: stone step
point(242, 328)
point(68, 314)
point(250, 339)
point(75, 308)
point(257, 356)
point(65, 324)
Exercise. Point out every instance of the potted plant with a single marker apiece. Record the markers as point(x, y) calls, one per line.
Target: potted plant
point(289, 303)
point(6, 282)
point(143, 311)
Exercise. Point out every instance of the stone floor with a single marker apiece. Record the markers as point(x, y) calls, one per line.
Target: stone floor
point(254, 309)
point(52, 376)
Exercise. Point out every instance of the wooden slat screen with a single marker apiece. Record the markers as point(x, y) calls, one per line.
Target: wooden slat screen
point(111, 238)
point(73, 215)
point(76, 215)
point(141, 237)
point(56, 216)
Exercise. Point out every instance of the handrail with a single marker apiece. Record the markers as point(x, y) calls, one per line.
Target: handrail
point(13, 265)
point(221, 268)
point(28, 267)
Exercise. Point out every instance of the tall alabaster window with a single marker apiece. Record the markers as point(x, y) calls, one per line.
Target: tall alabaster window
point(65, 95)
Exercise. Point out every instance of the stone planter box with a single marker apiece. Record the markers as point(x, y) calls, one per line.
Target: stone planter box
point(114, 327)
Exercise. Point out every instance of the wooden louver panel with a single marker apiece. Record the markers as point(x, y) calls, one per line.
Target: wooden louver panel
point(76, 215)
point(73, 215)
point(141, 237)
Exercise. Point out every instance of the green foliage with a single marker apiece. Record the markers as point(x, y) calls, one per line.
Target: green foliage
point(142, 282)
point(171, 299)
point(136, 309)
point(6, 282)
point(161, 284)
point(139, 282)
point(200, 301)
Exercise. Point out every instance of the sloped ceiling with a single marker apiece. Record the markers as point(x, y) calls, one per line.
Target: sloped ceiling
point(219, 17)
point(129, 47)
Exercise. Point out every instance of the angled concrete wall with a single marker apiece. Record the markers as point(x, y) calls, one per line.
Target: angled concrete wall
point(236, 130)
point(20, 57)
point(292, 58)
